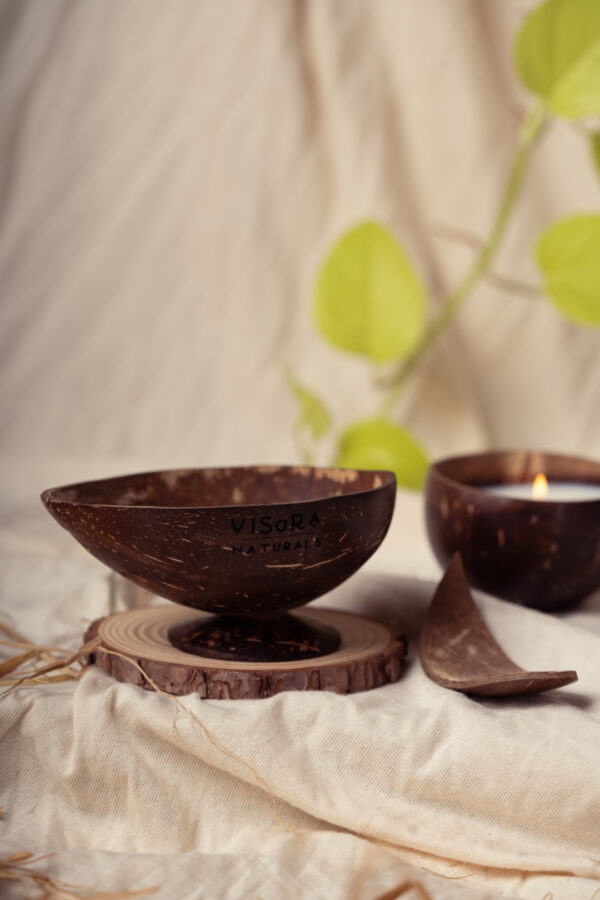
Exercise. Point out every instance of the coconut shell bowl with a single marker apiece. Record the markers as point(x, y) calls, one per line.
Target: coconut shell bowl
point(243, 546)
point(541, 553)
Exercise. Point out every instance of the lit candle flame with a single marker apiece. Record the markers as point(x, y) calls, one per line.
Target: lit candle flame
point(539, 488)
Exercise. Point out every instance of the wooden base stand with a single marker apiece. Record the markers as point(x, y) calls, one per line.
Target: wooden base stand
point(369, 655)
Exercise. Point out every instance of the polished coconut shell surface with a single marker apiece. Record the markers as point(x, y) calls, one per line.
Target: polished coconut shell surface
point(458, 651)
point(235, 541)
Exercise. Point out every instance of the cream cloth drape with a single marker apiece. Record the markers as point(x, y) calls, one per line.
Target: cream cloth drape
point(503, 795)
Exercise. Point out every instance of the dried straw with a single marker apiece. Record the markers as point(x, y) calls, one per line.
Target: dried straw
point(57, 659)
point(15, 868)
point(67, 665)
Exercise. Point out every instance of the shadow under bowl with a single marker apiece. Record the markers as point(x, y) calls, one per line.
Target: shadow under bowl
point(245, 541)
point(543, 554)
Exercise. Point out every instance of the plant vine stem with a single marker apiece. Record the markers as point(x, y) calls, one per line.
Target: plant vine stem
point(531, 131)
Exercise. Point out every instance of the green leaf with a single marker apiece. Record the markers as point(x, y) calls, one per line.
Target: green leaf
point(369, 299)
point(312, 412)
point(595, 147)
point(568, 253)
point(379, 444)
point(557, 55)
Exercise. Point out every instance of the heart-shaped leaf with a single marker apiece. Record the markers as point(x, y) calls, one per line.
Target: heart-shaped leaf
point(568, 253)
point(557, 55)
point(369, 299)
point(379, 444)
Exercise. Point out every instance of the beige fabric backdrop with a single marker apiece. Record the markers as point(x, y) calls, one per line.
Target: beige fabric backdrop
point(170, 174)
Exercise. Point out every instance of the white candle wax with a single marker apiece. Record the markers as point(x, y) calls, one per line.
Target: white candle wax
point(561, 491)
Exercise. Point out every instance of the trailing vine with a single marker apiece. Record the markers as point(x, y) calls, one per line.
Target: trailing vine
point(369, 299)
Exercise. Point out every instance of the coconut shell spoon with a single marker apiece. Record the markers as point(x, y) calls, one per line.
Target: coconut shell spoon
point(458, 652)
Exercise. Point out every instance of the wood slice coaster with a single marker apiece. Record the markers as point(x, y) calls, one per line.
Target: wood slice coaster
point(370, 655)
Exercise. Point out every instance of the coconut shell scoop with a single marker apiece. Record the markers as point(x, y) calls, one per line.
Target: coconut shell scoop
point(458, 652)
